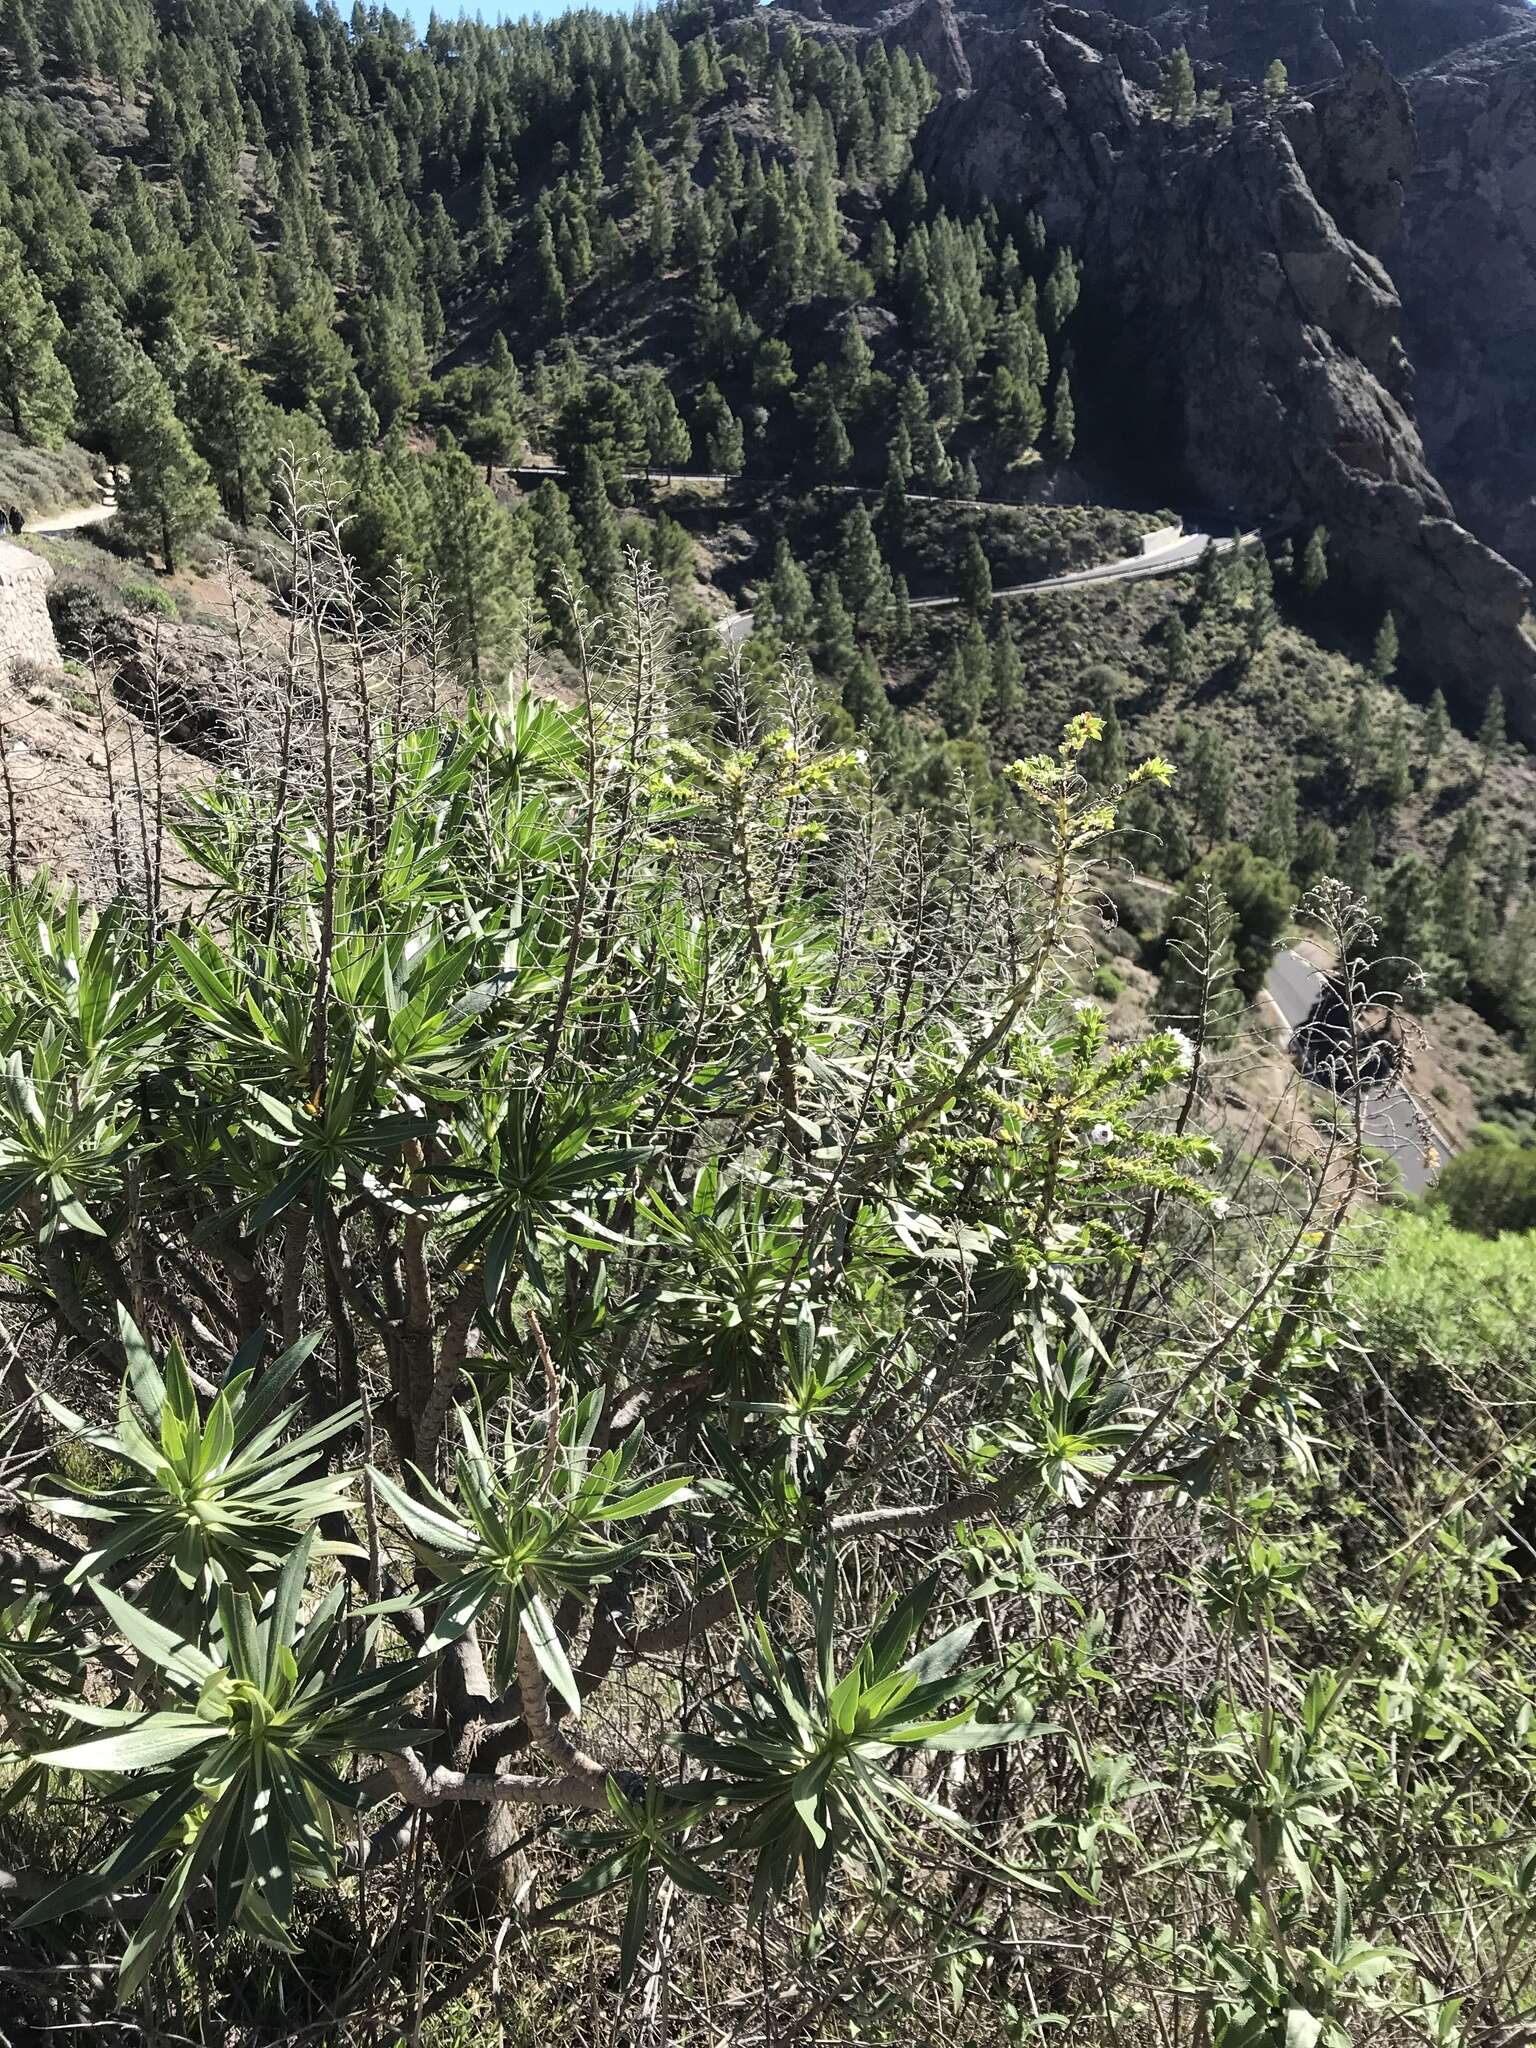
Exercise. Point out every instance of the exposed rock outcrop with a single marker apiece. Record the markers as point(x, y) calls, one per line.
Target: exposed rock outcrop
point(1465, 264)
point(1249, 336)
point(1317, 39)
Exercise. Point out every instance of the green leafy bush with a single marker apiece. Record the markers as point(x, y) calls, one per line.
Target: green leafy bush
point(592, 1279)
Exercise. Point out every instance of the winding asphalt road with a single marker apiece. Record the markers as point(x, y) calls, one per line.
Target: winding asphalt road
point(1393, 1122)
point(1167, 561)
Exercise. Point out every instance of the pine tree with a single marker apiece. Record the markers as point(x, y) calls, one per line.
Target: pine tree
point(1178, 658)
point(1317, 854)
point(1357, 852)
point(469, 551)
point(724, 444)
point(831, 449)
point(1211, 583)
point(1277, 82)
point(556, 555)
point(1277, 836)
point(602, 551)
point(1063, 420)
point(1179, 96)
point(1406, 922)
point(789, 594)
point(231, 427)
point(1106, 762)
point(892, 516)
point(854, 367)
point(1314, 562)
point(1437, 726)
point(864, 578)
point(974, 584)
point(165, 498)
point(35, 388)
point(1490, 734)
point(668, 443)
point(1210, 783)
point(1007, 671)
point(835, 648)
point(956, 700)
point(1062, 290)
point(1385, 652)
point(1397, 775)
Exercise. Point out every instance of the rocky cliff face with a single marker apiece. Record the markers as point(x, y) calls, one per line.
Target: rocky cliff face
point(1233, 303)
point(1316, 39)
point(1465, 263)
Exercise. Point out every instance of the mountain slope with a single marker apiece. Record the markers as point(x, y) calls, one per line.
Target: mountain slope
point(1246, 323)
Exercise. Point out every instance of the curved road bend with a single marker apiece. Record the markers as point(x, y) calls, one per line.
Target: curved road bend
point(1183, 554)
point(1393, 1122)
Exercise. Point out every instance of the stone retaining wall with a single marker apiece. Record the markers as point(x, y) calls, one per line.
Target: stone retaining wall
point(26, 631)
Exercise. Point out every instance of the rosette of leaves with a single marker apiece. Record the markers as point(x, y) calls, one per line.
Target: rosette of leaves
point(1072, 1428)
point(236, 1777)
point(810, 1760)
point(527, 1531)
point(218, 1494)
point(642, 1841)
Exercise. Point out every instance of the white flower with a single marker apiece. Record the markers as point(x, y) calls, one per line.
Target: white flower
point(1185, 1047)
point(1103, 1134)
point(1220, 1207)
point(861, 755)
point(1084, 1003)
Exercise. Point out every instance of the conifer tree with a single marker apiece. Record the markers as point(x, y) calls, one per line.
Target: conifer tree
point(668, 443)
point(725, 446)
point(1278, 831)
point(1106, 762)
point(1062, 290)
point(854, 367)
point(892, 518)
point(1357, 852)
point(956, 699)
point(1437, 726)
point(1178, 657)
point(1314, 562)
point(556, 555)
point(863, 576)
point(468, 549)
point(597, 526)
point(1397, 773)
point(901, 612)
point(35, 388)
point(835, 648)
point(1007, 671)
point(1179, 97)
point(831, 449)
point(1317, 854)
point(165, 497)
point(1277, 82)
point(1210, 770)
point(1490, 734)
point(1385, 652)
point(974, 584)
point(113, 378)
point(1063, 419)
point(864, 698)
point(230, 423)
point(789, 594)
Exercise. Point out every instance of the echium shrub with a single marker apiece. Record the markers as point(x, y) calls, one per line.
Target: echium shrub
point(587, 1275)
